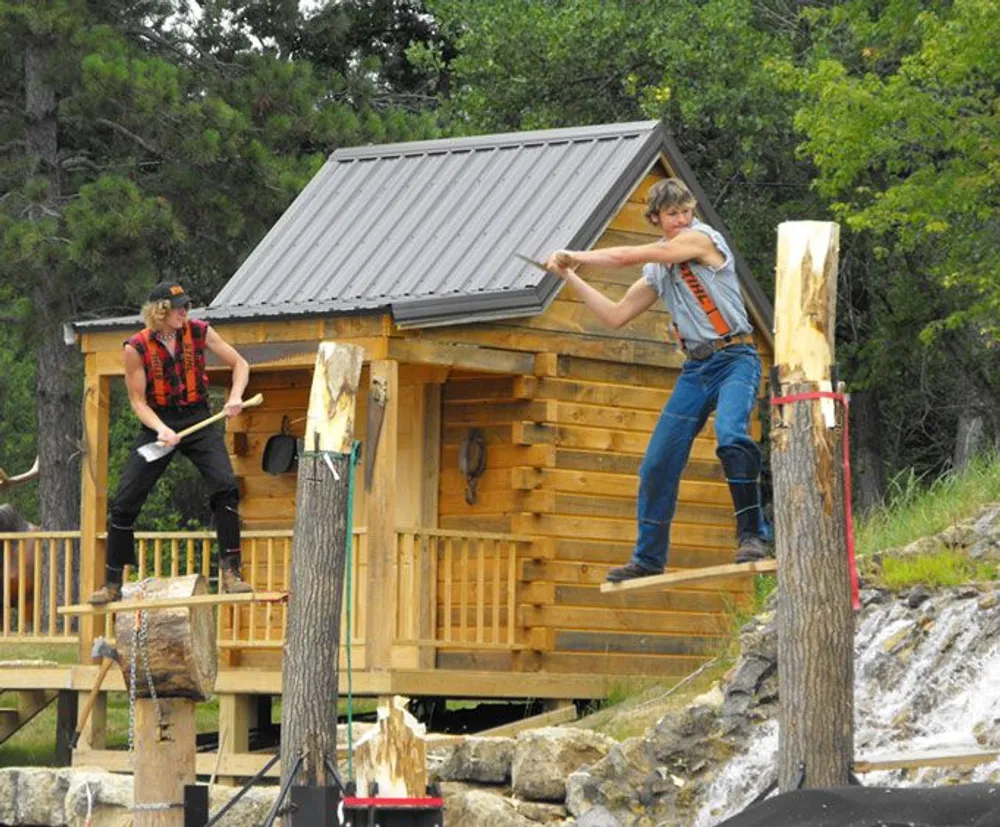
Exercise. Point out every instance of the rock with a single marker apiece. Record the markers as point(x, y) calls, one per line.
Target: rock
point(33, 795)
point(989, 601)
point(925, 545)
point(543, 758)
point(106, 796)
point(712, 699)
point(486, 760)
point(597, 817)
point(541, 813)
point(917, 595)
point(475, 808)
point(251, 809)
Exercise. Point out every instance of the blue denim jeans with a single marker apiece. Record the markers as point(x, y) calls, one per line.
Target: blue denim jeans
point(726, 382)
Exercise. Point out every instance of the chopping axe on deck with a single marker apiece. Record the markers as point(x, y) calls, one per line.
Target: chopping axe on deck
point(109, 655)
point(152, 451)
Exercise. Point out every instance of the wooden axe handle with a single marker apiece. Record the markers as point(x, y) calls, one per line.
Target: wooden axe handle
point(91, 700)
point(252, 402)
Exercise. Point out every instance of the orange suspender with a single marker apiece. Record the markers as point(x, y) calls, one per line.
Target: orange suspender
point(704, 300)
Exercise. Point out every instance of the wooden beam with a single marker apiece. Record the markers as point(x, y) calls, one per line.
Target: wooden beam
point(676, 578)
point(553, 718)
point(381, 521)
point(175, 603)
point(465, 356)
point(959, 758)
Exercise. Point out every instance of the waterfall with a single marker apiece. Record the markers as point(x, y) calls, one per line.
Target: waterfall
point(927, 677)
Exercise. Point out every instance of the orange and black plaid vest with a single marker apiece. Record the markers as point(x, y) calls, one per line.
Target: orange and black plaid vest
point(174, 382)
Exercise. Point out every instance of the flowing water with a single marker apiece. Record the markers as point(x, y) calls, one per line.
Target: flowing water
point(927, 678)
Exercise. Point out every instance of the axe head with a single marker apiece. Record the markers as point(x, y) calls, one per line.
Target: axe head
point(103, 649)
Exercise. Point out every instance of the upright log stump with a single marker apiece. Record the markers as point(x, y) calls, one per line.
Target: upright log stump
point(170, 656)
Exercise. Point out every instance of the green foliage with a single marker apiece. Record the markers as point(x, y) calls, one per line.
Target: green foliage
point(908, 144)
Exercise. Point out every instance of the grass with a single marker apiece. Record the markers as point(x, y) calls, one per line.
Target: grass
point(915, 509)
point(936, 570)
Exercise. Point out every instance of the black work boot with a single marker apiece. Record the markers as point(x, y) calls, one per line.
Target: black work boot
point(630, 571)
point(752, 548)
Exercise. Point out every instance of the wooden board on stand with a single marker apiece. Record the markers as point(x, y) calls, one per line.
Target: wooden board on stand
point(687, 577)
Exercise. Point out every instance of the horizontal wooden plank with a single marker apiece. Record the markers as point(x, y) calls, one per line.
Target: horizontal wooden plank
point(638, 644)
point(475, 413)
point(620, 530)
point(577, 460)
point(477, 522)
point(598, 439)
point(506, 456)
point(497, 434)
point(615, 554)
point(577, 368)
point(595, 393)
point(575, 317)
point(631, 218)
point(674, 600)
point(613, 663)
point(592, 346)
point(459, 354)
point(481, 389)
point(956, 757)
point(688, 576)
point(624, 620)
point(613, 485)
point(550, 502)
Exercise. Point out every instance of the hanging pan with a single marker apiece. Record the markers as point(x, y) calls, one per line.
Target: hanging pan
point(281, 451)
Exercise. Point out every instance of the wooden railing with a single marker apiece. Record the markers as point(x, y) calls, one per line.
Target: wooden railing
point(454, 589)
point(38, 575)
point(458, 589)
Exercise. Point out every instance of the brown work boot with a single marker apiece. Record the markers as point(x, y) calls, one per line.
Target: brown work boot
point(108, 593)
point(232, 583)
point(630, 571)
point(752, 549)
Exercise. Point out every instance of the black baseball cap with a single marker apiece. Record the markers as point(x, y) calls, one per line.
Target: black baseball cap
point(169, 290)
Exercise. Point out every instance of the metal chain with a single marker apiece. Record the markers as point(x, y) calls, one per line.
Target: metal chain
point(140, 640)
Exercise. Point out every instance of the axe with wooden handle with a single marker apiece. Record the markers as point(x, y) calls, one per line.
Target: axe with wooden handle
point(153, 451)
point(109, 655)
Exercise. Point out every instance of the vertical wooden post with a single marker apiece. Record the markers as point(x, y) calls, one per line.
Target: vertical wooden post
point(815, 621)
point(430, 470)
point(165, 762)
point(380, 608)
point(93, 517)
point(310, 667)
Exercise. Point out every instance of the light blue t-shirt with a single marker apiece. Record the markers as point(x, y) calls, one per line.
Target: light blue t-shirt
point(722, 285)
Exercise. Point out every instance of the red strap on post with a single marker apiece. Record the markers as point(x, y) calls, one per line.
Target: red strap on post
point(848, 513)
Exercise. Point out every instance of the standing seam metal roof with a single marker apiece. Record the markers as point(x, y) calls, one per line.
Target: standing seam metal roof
point(429, 228)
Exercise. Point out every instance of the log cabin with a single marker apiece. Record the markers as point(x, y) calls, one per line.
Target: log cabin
point(501, 434)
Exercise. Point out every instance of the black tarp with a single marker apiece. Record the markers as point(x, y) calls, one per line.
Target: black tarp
point(963, 805)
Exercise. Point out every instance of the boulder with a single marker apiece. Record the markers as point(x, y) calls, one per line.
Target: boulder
point(544, 758)
point(484, 760)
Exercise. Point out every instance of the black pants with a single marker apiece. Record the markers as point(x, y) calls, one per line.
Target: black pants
point(207, 450)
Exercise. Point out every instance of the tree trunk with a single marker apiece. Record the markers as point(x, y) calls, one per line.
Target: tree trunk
point(815, 623)
point(57, 365)
point(868, 462)
point(310, 668)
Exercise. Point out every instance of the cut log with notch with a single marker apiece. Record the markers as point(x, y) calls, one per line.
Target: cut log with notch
point(180, 642)
point(393, 754)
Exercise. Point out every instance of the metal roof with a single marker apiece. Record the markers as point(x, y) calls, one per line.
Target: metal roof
point(429, 229)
